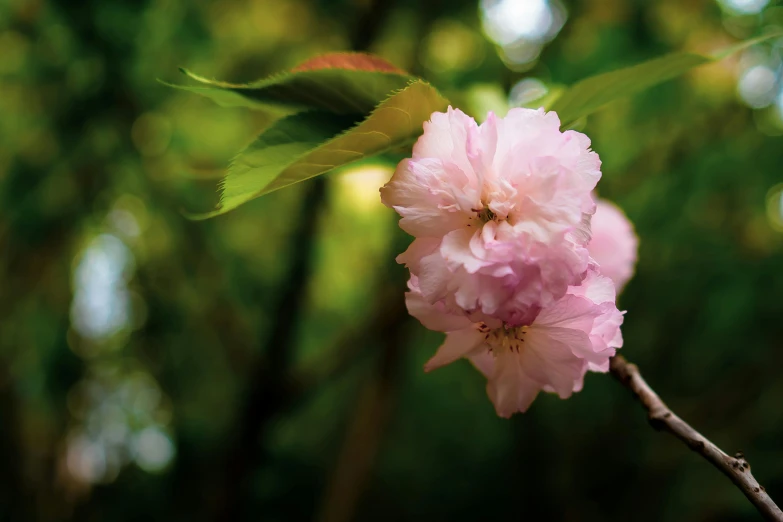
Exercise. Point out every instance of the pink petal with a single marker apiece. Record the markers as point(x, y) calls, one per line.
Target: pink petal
point(417, 250)
point(445, 138)
point(457, 253)
point(510, 389)
point(434, 317)
point(457, 344)
point(614, 243)
point(550, 359)
point(484, 362)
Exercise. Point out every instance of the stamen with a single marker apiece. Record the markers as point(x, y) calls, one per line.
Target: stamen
point(504, 338)
point(485, 214)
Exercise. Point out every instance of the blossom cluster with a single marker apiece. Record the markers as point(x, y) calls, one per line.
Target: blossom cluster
point(504, 260)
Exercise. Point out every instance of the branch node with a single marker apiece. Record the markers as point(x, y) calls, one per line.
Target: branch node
point(696, 445)
point(658, 417)
point(657, 423)
point(661, 418)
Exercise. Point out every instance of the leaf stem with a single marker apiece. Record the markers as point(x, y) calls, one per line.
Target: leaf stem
point(662, 418)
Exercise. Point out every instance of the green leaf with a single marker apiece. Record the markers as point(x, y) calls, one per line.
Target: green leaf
point(591, 94)
point(341, 83)
point(308, 144)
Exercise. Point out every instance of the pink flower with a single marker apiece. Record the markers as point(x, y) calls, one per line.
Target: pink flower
point(579, 332)
point(519, 169)
point(501, 211)
point(495, 272)
point(614, 243)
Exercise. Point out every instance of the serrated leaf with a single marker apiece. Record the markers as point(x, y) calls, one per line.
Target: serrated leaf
point(341, 83)
point(308, 144)
point(349, 61)
point(591, 94)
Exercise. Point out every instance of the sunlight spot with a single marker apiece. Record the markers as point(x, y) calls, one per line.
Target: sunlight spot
point(124, 222)
point(86, 459)
point(507, 21)
point(527, 91)
point(360, 185)
point(521, 27)
point(746, 7)
point(779, 104)
point(756, 86)
point(101, 303)
point(775, 207)
point(153, 449)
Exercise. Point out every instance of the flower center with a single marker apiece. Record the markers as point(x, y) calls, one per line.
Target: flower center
point(485, 214)
point(506, 337)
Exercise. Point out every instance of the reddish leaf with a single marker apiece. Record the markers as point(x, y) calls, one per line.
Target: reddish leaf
point(349, 61)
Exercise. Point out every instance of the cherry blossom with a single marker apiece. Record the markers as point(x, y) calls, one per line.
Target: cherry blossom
point(579, 332)
point(614, 243)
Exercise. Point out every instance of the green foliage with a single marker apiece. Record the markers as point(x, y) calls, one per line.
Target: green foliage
point(346, 107)
point(343, 88)
point(339, 91)
point(91, 147)
point(305, 145)
point(591, 94)
point(355, 106)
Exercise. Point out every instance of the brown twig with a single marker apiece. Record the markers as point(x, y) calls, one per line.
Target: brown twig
point(662, 418)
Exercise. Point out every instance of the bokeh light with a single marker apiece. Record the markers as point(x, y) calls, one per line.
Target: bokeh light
point(521, 28)
point(359, 185)
point(775, 207)
point(507, 21)
point(779, 104)
point(131, 339)
point(760, 68)
point(756, 86)
point(452, 47)
point(101, 303)
point(86, 459)
point(526, 91)
point(744, 7)
point(120, 416)
point(153, 449)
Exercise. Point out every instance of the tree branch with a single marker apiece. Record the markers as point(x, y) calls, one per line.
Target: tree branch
point(366, 429)
point(266, 396)
point(662, 418)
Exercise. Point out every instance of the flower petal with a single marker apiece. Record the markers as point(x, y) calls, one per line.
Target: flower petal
point(484, 362)
point(614, 243)
point(434, 317)
point(510, 389)
point(457, 344)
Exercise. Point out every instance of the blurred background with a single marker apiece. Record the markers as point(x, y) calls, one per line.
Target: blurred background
point(261, 365)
